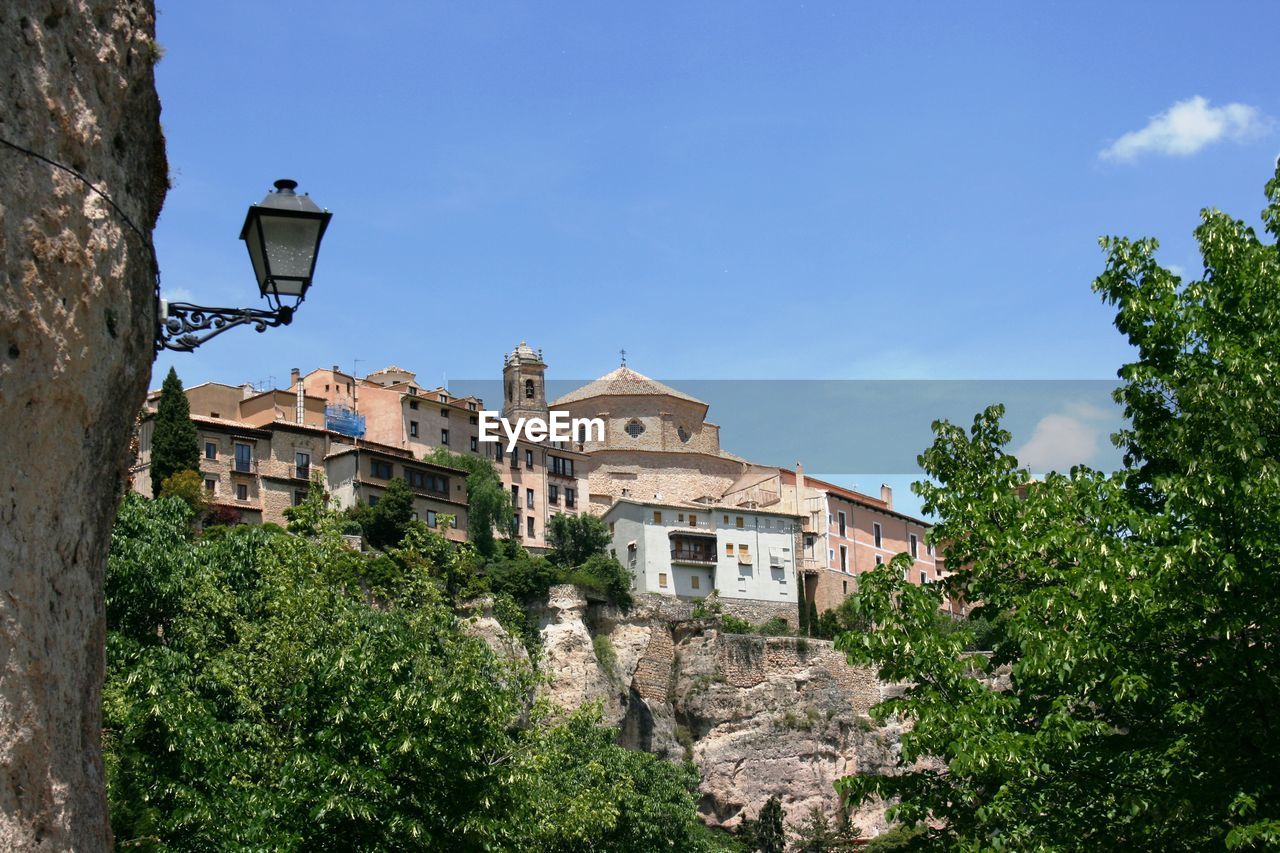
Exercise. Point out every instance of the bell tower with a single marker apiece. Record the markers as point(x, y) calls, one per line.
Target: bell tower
point(524, 390)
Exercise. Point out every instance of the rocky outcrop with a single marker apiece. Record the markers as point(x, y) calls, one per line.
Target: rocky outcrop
point(77, 325)
point(758, 716)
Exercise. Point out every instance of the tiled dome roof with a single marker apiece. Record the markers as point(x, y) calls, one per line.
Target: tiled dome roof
point(624, 382)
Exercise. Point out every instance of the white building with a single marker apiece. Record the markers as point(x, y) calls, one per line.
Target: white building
point(688, 550)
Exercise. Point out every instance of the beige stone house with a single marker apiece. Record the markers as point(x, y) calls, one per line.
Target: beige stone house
point(259, 451)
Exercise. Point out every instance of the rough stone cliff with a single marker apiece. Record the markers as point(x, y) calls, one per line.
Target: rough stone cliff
point(758, 716)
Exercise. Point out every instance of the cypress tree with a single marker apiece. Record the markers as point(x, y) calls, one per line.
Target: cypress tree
point(174, 444)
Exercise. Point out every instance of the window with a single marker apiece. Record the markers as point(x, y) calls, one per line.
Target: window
point(413, 404)
point(915, 547)
point(528, 389)
point(431, 518)
point(553, 494)
point(879, 560)
point(693, 582)
point(242, 491)
point(662, 579)
point(562, 467)
point(528, 459)
point(693, 520)
point(728, 549)
point(530, 521)
point(498, 452)
point(475, 444)
point(744, 555)
point(634, 428)
point(473, 420)
point(569, 496)
point(444, 398)
point(924, 578)
point(413, 429)
point(831, 556)
point(875, 529)
point(528, 500)
point(302, 464)
point(211, 484)
point(244, 458)
point(844, 558)
point(373, 500)
point(846, 587)
point(210, 450)
point(738, 523)
point(611, 528)
point(928, 549)
point(444, 436)
point(298, 497)
point(840, 515)
point(515, 496)
point(515, 458)
point(657, 517)
point(426, 481)
point(444, 413)
point(380, 469)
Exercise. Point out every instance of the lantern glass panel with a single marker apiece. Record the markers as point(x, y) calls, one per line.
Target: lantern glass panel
point(291, 248)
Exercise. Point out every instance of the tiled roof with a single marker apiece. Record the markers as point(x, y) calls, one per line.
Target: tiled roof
point(624, 382)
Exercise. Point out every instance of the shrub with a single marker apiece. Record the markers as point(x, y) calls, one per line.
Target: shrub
point(731, 624)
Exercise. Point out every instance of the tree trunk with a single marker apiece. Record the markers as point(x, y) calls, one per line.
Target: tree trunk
point(76, 328)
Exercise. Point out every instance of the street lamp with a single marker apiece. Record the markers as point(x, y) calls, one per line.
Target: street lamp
point(283, 236)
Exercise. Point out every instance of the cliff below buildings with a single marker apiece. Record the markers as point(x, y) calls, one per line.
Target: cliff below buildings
point(758, 716)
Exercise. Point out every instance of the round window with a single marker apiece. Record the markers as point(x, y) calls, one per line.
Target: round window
point(684, 434)
point(634, 428)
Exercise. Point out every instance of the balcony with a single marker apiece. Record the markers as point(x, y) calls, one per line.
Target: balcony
point(300, 472)
point(809, 566)
point(695, 556)
point(695, 550)
point(244, 466)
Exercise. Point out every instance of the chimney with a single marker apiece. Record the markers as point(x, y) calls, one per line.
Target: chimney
point(886, 495)
point(799, 489)
point(294, 373)
point(246, 391)
point(335, 368)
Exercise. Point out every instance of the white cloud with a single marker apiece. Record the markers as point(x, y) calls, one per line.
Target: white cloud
point(1065, 439)
point(1186, 127)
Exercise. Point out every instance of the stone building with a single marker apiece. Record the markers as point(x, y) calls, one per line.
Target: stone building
point(544, 478)
point(689, 549)
point(658, 444)
point(260, 450)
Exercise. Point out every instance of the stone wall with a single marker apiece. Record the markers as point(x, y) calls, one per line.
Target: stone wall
point(77, 327)
point(758, 716)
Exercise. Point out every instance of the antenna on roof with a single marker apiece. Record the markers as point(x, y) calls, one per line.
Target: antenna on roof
point(623, 353)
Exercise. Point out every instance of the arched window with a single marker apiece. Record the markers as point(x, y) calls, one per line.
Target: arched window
point(528, 389)
point(684, 435)
point(634, 428)
point(511, 391)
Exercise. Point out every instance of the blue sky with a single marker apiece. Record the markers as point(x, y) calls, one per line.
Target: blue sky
point(727, 190)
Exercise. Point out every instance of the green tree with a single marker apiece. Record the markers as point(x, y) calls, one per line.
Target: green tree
point(574, 539)
point(488, 502)
point(767, 833)
point(817, 834)
point(255, 700)
point(305, 518)
point(174, 444)
point(1136, 611)
point(386, 523)
point(188, 487)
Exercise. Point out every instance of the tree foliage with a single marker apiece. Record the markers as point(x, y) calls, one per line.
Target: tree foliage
point(175, 445)
point(188, 487)
point(574, 539)
point(256, 700)
point(817, 833)
point(1135, 611)
point(386, 523)
point(767, 832)
point(488, 502)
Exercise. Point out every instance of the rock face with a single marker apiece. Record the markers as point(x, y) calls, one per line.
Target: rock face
point(76, 328)
point(758, 716)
